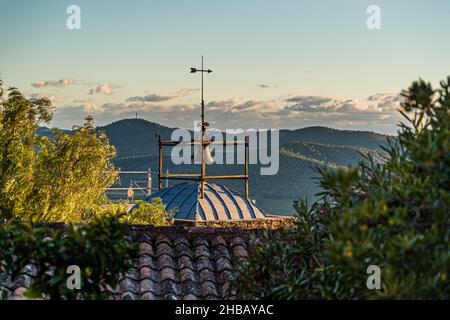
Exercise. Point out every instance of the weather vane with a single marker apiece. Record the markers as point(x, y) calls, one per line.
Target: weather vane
point(204, 124)
point(202, 147)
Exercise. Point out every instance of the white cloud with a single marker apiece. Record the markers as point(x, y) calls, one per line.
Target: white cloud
point(377, 103)
point(105, 88)
point(160, 98)
point(54, 83)
point(266, 86)
point(53, 98)
point(377, 112)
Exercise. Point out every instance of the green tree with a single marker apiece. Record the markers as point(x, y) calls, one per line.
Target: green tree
point(101, 249)
point(19, 119)
point(72, 172)
point(144, 213)
point(49, 180)
point(393, 213)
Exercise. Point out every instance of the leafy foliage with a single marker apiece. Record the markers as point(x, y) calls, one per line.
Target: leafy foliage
point(81, 170)
point(143, 214)
point(393, 213)
point(99, 249)
point(19, 119)
point(49, 180)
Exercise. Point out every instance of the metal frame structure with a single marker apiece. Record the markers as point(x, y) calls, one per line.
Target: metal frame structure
point(148, 188)
point(205, 142)
point(202, 176)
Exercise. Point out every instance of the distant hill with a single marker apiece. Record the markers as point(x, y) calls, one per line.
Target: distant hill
point(301, 151)
point(333, 155)
point(133, 137)
point(47, 132)
point(137, 136)
point(324, 135)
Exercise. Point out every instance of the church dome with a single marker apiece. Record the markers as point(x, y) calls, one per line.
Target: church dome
point(219, 203)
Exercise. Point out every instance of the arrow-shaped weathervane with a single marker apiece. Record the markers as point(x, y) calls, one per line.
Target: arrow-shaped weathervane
point(194, 70)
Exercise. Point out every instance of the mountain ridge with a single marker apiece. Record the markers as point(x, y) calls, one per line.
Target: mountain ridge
point(301, 151)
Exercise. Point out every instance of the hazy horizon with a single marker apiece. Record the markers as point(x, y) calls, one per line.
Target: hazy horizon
point(190, 128)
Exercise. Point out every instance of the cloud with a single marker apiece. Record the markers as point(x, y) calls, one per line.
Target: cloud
point(377, 103)
point(81, 101)
point(377, 112)
point(105, 88)
point(150, 98)
point(161, 98)
point(53, 98)
point(266, 86)
point(80, 111)
point(309, 103)
point(54, 83)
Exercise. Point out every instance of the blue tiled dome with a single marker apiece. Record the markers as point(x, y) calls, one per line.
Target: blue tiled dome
point(219, 203)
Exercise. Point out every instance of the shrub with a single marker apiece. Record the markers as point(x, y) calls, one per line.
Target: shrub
point(71, 173)
point(394, 214)
point(46, 179)
point(143, 213)
point(100, 249)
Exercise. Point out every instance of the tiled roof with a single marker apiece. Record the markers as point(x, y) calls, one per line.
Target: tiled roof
point(194, 263)
point(219, 204)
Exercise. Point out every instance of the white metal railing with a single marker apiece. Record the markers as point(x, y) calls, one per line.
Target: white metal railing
point(143, 187)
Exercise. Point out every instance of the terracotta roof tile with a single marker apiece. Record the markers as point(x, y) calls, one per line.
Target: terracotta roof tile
point(224, 276)
point(204, 263)
point(170, 296)
point(127, 284)
point(162, 238)
point(164, 248)
point(240, 252)
point(223, 263)
point(190, 264)
point(184, 249)
point(181, 240)
point(200, 241)
point(133, 273)
point(207, 275)
point(147, 296)
point(224, 290)
point(201, 251)
point(185, 262)
point(128, 296)
point(218, 241)
point(187, 274)
point(221, 251)
point(190, 297)
point(165, 261)
point(192, 288)
point(237, 241)
point(147, 285)
point(145, 247)
point(209, 290)
point(167, 273)
point(146, 261)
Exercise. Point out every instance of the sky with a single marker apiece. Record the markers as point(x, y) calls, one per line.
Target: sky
point(276, 64)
